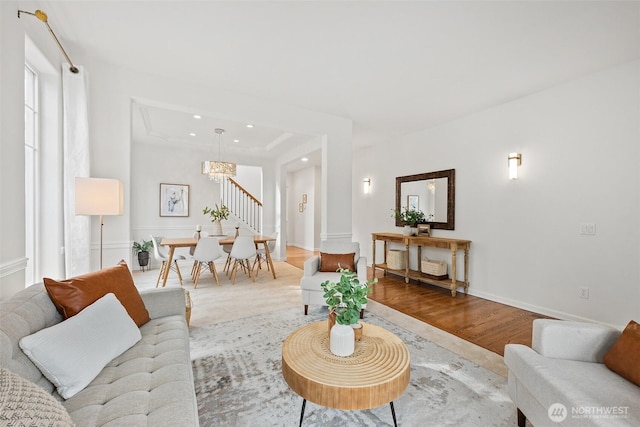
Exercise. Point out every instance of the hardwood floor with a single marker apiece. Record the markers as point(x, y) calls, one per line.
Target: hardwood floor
point(488, 324)
point(297, 256)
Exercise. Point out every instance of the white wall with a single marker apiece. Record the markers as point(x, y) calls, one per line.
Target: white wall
point(302, 225)
point(15, 51)
point(12, 249)
point(580, 163)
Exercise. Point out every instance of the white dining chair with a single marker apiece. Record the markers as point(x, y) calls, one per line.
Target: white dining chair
point(192, 249)
point(242, 251)
point(161, 255)
point(207, 252)
point(227, 250)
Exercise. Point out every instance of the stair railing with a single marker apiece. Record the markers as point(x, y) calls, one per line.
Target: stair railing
point(242, 204)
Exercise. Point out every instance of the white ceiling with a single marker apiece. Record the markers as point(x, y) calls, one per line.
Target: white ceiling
point(392, 67)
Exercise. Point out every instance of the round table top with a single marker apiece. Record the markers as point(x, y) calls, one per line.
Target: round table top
point(377, 373)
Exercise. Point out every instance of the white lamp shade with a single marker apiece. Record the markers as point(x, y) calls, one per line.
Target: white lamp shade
point(99, 196)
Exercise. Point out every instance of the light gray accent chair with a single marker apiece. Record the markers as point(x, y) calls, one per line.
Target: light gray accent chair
point(150, 384)
point(565, 365)
point(312, 278)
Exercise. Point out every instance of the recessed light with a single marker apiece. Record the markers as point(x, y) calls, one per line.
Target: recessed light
point(192, 134)
point(236, 140)
point(249, 125)
point(196, 116)
point(304, 159)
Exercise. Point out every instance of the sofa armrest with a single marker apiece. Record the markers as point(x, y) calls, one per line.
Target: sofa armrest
point(311, 266)
point(164, 301)
point(361, 269)
point(582, 341)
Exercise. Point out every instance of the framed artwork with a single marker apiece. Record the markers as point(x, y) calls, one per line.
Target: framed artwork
point(174, 200)
point(413, 202)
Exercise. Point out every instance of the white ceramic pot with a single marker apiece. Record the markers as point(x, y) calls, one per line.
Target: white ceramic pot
point(406, 231)
point(342, 341)
point(218, 227)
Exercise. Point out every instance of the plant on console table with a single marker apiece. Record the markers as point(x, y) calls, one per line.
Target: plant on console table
point(410, 218)
point(217, 215)
point(345, 299)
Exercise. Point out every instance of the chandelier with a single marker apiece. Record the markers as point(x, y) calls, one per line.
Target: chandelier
point(218, 170)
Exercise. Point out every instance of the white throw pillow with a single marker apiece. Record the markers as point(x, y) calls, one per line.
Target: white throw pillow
point(72, 353)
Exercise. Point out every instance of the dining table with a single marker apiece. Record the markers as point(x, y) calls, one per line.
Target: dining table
point(186, 242)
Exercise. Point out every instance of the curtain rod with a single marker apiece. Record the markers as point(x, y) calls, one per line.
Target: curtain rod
point(43, 17)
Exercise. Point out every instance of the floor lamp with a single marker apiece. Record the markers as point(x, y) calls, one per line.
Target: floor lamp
point(99, 196)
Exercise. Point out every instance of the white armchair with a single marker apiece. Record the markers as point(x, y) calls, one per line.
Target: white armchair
point(312, 278)
point(563, 373)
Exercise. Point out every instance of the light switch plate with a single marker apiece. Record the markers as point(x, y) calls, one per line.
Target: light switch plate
point(588, 229)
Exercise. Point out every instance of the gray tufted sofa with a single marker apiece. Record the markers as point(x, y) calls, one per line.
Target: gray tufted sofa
point(151, 384)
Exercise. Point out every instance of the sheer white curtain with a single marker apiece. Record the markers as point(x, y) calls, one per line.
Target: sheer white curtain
point(77, 232)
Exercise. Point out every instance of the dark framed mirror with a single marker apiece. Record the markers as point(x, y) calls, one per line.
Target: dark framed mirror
point(434, 193)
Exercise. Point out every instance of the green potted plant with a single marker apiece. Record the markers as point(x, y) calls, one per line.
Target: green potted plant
point(217, 215)
point(410, 218)
point(142, 248)
point(345, 300)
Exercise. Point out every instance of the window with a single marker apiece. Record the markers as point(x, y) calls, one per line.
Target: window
point(31, 167)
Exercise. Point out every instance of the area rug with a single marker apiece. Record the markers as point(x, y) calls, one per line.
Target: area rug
point(238, 380)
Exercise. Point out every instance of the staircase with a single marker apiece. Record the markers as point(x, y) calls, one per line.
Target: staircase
point(242, 204)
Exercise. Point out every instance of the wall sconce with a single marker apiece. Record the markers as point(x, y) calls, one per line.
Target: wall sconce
point(366, 185)
point(515, 160)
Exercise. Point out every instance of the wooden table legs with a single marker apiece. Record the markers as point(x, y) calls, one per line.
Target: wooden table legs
point(269, 260)
point(169, 261)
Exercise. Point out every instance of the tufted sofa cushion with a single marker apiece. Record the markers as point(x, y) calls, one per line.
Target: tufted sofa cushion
point(149, 384)
point(24, 314)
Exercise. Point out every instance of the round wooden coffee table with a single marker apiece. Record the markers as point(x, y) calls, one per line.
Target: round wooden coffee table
point(377, 373)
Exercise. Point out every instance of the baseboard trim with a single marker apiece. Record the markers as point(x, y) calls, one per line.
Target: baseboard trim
point(535, 308)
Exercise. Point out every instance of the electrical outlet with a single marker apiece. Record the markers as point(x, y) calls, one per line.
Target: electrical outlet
point(588, 229)
point(584, 293)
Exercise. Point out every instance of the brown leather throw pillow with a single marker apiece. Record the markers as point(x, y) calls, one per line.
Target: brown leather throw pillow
point(623, 357)
point(71, 296)
point(331, 262)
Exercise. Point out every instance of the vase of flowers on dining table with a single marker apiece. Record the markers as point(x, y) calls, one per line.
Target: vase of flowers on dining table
point(217, 215)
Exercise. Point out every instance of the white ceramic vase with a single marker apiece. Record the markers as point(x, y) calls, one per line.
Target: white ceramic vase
point(342, 341)
point(218, 227)
point(406, 231)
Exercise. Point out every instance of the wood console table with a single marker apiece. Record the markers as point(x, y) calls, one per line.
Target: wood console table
point(454, 245)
